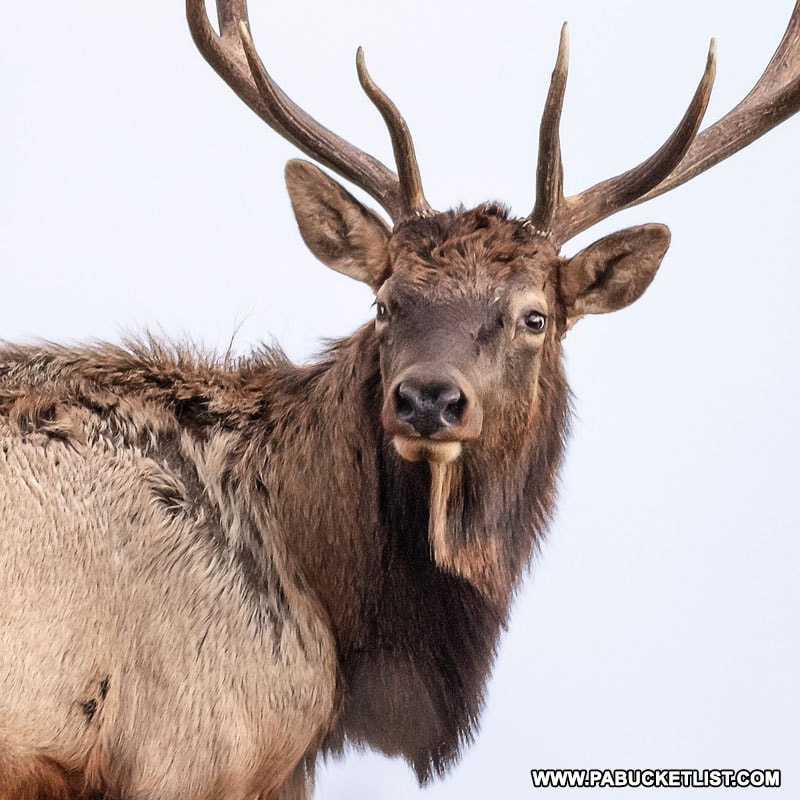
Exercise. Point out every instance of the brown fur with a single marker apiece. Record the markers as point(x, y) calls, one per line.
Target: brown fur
point(235, 568)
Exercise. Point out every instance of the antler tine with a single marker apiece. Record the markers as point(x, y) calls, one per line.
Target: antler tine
point(233, 56)
point(223, 51)
point(402, 144)
point(561, 218)
point(579, 212)
point(774, 98)
point(550, 168)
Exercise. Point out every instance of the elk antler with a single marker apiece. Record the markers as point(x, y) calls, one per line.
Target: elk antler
point(685, 154)
point(232, 54)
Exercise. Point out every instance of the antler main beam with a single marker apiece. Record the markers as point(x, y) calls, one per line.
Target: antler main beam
point(233, 56)
point(685, 154)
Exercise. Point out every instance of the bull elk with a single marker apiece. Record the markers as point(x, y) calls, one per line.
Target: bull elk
point(213, 572)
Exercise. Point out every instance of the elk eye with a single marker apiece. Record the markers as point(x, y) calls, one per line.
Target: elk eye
point(534, 321)
point(381, 312)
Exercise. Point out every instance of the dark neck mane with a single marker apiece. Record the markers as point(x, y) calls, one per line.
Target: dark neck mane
point(416, 641)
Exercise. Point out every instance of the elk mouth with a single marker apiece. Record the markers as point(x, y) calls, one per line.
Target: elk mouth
point(417, 448)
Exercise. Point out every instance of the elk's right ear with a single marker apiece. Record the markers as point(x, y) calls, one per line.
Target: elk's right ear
point(338, 229)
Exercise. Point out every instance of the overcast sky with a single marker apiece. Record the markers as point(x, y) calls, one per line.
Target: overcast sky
point(658, 627)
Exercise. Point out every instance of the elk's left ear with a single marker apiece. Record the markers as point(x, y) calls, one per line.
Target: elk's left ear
point(613, 272)
point(339, 231)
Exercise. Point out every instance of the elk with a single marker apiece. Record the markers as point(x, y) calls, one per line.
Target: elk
point(215, 571)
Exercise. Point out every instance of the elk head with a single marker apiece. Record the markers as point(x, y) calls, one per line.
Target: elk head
point(471, 305)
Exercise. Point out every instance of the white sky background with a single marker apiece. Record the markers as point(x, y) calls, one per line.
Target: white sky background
point(659, 625)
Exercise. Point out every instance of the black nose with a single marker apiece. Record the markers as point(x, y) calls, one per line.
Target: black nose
point(429, 406)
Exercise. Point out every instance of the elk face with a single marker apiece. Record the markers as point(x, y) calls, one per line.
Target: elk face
point(469, 307)
point(462, 321)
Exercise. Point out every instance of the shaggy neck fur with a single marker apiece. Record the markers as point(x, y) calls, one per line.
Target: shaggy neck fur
point(417, 630)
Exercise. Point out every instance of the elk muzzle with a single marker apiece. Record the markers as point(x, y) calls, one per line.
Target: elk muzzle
point(429, 412)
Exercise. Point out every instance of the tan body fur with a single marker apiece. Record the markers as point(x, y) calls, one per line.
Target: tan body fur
point(136, 652)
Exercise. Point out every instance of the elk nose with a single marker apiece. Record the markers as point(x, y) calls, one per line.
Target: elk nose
point(429, 407)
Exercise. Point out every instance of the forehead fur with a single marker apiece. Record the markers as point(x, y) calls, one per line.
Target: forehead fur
point(470, 247)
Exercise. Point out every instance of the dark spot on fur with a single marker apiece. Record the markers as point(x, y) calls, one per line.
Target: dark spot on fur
point(192, 411)
point(89, 708)
point(281, 600)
